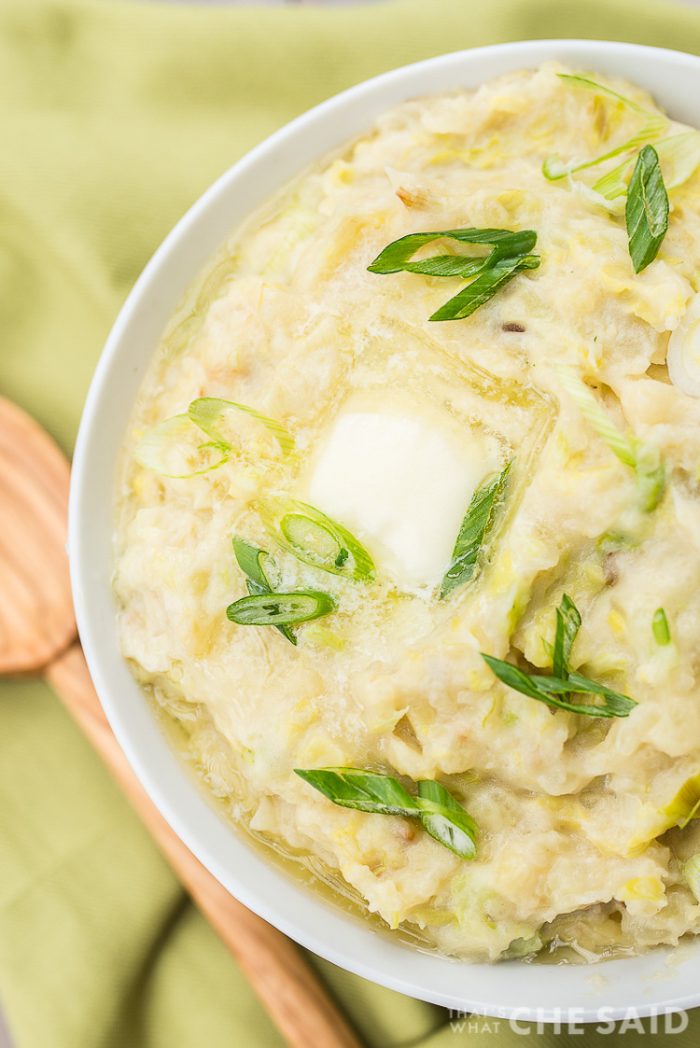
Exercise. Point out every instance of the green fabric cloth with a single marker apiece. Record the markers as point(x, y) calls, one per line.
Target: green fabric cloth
point(115, 116)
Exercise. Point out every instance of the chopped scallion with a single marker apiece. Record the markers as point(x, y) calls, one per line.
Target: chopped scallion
point(316, 539)
point(647, 208)
point(509, 255)
point(660, 627)
point(440, 814)
point(259, 566)
point(280, 609)
point(557, 691)
point(473, 532)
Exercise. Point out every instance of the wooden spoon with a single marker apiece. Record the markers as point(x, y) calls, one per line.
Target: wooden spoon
point(38, 633)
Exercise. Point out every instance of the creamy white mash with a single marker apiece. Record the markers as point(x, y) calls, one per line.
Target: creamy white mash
point(568, 401)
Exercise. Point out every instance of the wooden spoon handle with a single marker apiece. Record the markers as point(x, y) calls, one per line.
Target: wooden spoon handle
point(294, 997)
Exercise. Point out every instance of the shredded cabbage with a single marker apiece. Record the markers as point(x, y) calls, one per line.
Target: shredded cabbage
point(691, 872)
point(296, 225)
point(685, 806)
point(520, 948)
point(642, 458)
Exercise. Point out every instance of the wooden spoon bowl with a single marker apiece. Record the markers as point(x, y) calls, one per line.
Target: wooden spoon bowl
point(36, 613)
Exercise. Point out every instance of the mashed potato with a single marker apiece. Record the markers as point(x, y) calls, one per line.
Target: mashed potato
point(553, 402)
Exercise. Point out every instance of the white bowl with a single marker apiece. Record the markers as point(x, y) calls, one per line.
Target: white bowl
point(657, 981)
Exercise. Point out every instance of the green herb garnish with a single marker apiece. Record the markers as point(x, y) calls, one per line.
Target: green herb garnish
point(554, 168)
point(253, 561)
point(491, 280)
point(476, 525)
point(568, 625)
point(211, 413)
point(445, 819)
point(316, 539)
point(646, 212)
point(440, 814)
point(557, 691)
point(174, 447)
point(679, 156)
point(587, 82)
point(398, 255)
point(660, 627)
point(258, 566)
point(280, 609)
point(509, 255)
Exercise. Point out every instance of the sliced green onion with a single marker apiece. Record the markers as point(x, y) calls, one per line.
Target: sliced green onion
point(651, 477)
point(474, 531)
point(647, 208)
point(258, 566)
point(557, 691)
point(612, 184)
point(280, 609)
point(440, 814)
point(660, 627)
point(577, 80)
point(317, 540)
point(622, 446)
point(252, 560)
point(398, 256)
point(509, 255)
point(446, 820)
point(210, 413)
point(174, 448)
point(554, 167)
point(361, 790)
point(568, 625)
point(679, 156)
point(486, 285)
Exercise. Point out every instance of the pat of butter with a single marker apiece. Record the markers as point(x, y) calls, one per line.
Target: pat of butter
point(402, 484)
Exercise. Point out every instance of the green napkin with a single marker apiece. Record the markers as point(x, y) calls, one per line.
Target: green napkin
point(115, 117)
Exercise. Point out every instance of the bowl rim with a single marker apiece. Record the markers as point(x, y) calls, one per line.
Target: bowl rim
point(306, 917)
